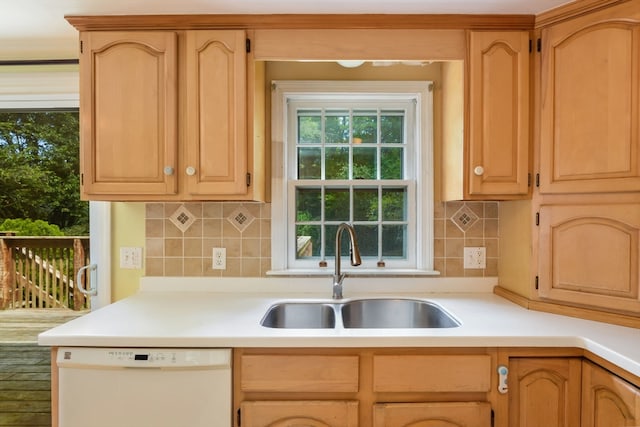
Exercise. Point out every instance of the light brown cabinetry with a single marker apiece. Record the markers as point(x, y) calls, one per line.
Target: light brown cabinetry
point(590, 254)
point(332, 387)
point(544, 391)
point(302, 413)
point(216, 113)
point(590, 103)
point(497, 163)
point(129, 107)
point(165, 115)
point(587, 203)
point(466, 414)
point(607, 400)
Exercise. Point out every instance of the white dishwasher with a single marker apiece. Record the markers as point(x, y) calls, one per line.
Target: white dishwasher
point(142, 387)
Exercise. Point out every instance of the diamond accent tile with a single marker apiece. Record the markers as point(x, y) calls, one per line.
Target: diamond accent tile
point(241, 218)
point(182, 218)
point(464, 218)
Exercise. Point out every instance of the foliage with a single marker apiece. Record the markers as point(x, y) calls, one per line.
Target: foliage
point(28, 227)
point(39, 169)
point(352, 145)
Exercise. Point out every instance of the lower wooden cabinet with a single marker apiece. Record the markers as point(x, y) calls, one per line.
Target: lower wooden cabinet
point(299, 413)
point(544, 392)
point(297, 387)
point(608, 400)
point(458, 414)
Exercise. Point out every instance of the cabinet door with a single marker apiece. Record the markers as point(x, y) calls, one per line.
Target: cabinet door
point(589, 255)
point(216, 131)
point(128, 107)
point(440, 414)
point(544, 392)
point(300, 413)
point(590, 89)
point(608, 401)
point(498, 154)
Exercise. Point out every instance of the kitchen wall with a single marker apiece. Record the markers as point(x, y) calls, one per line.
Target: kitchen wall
point(179, 238)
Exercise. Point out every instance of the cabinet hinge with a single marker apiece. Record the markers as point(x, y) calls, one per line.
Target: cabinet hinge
point(248, 180)
point(539, 45)
point(81, 47)
point(493, 418)
point(530, 45)
point(528, 180)
point(537, 180)
point(537, 280)
point(537, 218)
point(248, 45)
point(239, 418)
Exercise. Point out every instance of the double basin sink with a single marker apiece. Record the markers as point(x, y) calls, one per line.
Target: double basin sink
point(359, 313)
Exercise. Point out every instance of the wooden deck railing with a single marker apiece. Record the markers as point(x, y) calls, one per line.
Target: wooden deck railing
point(40, 272)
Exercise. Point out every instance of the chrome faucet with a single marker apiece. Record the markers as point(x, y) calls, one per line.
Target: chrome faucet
point(354, 254)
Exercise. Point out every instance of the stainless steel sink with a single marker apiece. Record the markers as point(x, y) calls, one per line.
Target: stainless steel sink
point(395, 313)
point(300, 316)
point(360, 313)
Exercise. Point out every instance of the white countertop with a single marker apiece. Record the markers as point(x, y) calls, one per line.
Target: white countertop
point(206, 312)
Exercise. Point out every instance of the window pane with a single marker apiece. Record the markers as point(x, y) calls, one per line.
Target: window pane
point(337, 163)
point(364, 163)
point(365, 204)
point(309, 127)
point(391, 163)
point(307, 241)
point(365, 127)
point(393, 241)
point(336, 127)
point(308, 204)
point(336, 204)
point(330, 237)
point(394, 201)
point(367, 239)
point(309, 163)
point(392, 127)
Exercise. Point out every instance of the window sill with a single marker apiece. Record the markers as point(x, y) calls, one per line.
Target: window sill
point(354, 272)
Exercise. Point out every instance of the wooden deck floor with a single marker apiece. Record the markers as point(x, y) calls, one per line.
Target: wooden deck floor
point(25, 367)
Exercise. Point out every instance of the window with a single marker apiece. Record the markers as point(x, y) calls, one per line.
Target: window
point(355, 152)
point(51, 87)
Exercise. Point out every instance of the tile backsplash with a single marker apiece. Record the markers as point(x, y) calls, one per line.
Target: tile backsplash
point(180, 237)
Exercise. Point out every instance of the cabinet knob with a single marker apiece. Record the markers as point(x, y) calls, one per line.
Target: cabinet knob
point(190, 170)
point(478, 170)
point(168, 170)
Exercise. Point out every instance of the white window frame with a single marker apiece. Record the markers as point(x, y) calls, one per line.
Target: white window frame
point(282, 209)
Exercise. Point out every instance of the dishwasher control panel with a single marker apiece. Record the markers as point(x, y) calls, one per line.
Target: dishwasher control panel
point(143, 357)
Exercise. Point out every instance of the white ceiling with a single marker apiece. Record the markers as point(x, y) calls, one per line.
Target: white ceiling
point(37, 28)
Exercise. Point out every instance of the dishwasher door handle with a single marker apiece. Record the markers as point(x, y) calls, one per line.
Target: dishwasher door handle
point(93, 290)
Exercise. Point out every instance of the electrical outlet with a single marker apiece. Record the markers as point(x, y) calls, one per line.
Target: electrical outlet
point(219, 258)
point(475, 258)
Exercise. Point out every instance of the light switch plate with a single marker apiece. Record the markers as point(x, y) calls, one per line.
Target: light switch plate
point(131, 258)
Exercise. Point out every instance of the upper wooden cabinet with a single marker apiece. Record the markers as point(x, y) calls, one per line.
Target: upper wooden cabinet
point(497, 162)
point(590, 94)
point(128, 112)
point(589, 254)
point(165, 116)
point(216, 113)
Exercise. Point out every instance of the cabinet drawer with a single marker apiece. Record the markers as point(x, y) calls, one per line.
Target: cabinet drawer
point(299, 373)
point(432, 373)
